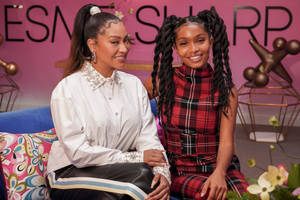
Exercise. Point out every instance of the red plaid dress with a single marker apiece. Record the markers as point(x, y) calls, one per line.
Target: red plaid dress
point(192, 140)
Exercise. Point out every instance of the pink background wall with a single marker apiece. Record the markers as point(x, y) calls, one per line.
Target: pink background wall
point(38, 76)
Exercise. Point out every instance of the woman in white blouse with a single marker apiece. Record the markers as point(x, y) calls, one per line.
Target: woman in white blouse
point(107, 144)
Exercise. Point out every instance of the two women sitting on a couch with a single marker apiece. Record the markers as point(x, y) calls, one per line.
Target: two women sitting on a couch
point(108, 146)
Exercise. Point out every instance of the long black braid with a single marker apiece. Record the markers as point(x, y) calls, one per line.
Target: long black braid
point(163, 69)
point(222, 77)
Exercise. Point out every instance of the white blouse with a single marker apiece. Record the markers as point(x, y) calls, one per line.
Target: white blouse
point(98, 120)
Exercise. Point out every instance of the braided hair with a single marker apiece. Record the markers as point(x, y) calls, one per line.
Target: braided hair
point(163, 69)
point(86, 26)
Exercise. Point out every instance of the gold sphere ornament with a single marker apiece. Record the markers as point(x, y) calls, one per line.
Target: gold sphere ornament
point(261, 79)
point(279, 43)
point(10, 68)
point(271, 60)
point(249, 73)
point(293, 47)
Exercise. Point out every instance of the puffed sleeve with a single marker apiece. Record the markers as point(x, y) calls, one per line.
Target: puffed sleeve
point(72, 133)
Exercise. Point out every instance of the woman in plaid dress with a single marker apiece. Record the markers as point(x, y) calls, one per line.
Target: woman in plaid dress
point(197, 106)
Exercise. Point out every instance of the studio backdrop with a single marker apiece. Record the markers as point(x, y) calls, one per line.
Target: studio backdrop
point(36, 35)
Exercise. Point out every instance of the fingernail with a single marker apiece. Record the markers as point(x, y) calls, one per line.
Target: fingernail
point(202, 194)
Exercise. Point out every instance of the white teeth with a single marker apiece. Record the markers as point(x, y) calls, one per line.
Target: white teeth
point(120, 58)
point(195, 57)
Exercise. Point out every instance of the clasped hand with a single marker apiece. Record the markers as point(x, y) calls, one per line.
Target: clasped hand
point(155, 158)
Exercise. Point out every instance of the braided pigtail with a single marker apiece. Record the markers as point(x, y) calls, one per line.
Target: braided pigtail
point(218, 81)
point(222, 74)
point(163, 69)
point(157, 55)
point(225, 50)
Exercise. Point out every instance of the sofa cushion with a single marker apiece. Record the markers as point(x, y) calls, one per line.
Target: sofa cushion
point(24, 161)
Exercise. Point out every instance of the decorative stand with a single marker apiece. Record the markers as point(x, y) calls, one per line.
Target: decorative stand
point(276, 102)
point(8, 88)
point(257, 105)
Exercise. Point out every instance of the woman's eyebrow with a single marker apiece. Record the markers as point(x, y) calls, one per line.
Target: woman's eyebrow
point(200, 34)
point(115, 36)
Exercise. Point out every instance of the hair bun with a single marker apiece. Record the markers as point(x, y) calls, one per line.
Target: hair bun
point(94, 10)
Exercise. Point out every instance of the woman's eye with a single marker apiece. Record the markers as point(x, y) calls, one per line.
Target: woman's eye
point(115, 42)
point(202, 39)
point(182, 43)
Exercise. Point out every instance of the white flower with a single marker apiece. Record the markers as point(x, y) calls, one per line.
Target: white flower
point(94, 10)
point(276, 176)
point(263, 187)
point(119, 14)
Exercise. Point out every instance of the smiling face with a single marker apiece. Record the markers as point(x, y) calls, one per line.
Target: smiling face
point(192, 44)
point(111, 47)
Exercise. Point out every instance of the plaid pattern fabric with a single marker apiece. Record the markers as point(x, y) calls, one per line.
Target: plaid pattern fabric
point(189, 186)
point(192, 139)
point(193, 101)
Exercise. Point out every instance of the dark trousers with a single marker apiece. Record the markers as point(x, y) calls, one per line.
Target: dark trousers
point(139, 174)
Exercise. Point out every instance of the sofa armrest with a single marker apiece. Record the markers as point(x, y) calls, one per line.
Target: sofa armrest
point(26, 121)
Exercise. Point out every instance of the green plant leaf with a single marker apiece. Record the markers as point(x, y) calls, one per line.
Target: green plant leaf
point(294, 176)
point(232, 195)
point(283, 194)
point(247, 196)
point(251, 181)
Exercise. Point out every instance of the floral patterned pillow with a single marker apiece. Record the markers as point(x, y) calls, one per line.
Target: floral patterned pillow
point(24, 160)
